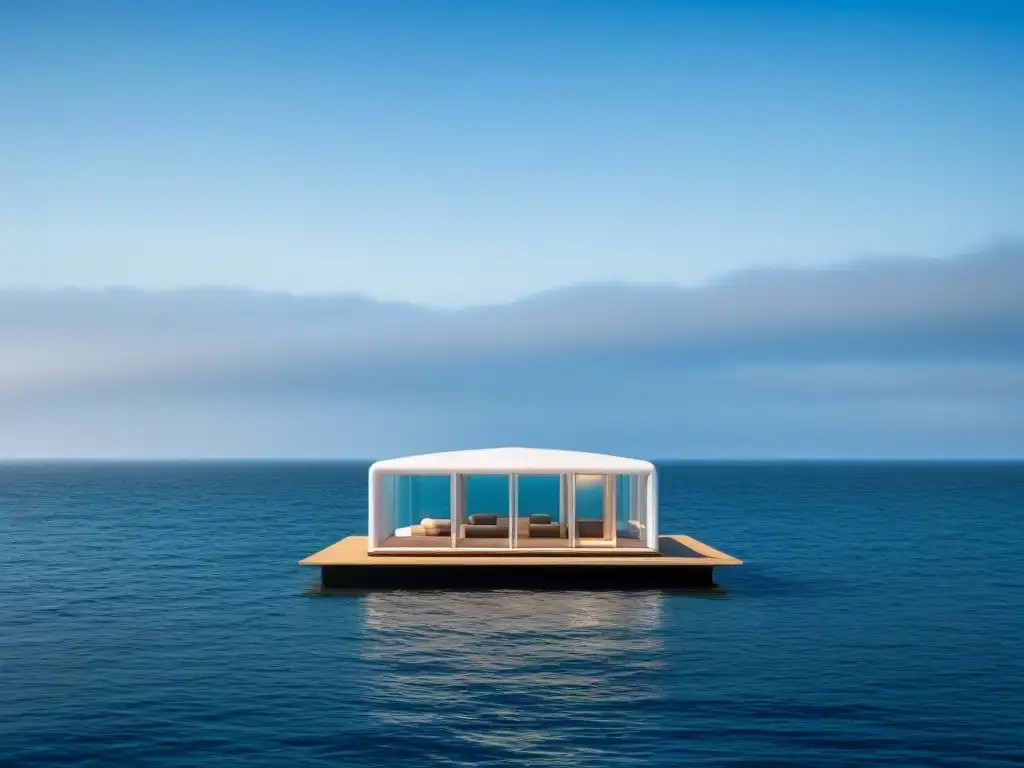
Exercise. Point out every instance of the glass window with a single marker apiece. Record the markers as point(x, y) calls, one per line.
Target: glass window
point(540, 517)
point(539, 495)
point(417, 510)
point(484, 519)
point(638, 507)
point(487, 494)
point(591, 506)
point(628, 523)
point(387, 506)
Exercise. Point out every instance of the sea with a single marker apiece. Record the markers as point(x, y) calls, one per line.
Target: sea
point(153, 614)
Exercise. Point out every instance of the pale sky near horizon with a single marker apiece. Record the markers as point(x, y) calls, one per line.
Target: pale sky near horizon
point(452, 153)
point(455, 153)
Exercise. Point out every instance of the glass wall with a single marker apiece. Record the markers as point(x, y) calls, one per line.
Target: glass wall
point(501, 511)
point(417, 510)
point(593, 510)
point(540, 518)
point(638, 515)
point(484, 511)
point(629, 527)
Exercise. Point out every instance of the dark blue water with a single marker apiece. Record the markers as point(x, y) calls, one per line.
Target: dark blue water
point(154, 615)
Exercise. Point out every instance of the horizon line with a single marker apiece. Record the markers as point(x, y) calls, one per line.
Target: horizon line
point(366, 460)
point(992, 245)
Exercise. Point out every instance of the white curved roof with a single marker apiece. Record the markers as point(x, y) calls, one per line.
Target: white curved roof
point(512, 460)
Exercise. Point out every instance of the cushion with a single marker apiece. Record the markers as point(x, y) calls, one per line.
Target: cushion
point(436, 527)
point(548, 531)
point(484, 532)
point(483, 519)
point(540, 519)
point(590, 529)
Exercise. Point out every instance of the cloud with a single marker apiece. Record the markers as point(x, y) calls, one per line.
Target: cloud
point(876, 353)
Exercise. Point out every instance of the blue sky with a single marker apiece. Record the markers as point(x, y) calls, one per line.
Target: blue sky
point(789, 185)
point(470, 152)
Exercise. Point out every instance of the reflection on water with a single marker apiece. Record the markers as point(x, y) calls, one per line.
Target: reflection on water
point(511, 611)
point(520, 673)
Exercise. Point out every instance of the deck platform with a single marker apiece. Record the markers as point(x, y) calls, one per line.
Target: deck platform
point(681, 561)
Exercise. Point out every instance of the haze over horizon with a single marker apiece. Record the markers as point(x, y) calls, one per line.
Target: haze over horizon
point(373, 228)
point(887, 358)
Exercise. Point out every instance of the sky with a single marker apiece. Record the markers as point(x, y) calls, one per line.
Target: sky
point(373, 228)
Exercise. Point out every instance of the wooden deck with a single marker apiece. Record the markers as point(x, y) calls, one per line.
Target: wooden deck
point(680, 561)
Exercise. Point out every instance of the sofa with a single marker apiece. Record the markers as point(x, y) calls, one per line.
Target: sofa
point(590, 529)
point(541, 527)
point(492, 526)
point(428, 527)
point(484, 526)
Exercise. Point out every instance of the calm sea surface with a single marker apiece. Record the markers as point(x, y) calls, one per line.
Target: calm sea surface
point(153, 614)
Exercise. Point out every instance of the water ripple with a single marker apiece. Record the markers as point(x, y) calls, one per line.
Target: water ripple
point(151, 615)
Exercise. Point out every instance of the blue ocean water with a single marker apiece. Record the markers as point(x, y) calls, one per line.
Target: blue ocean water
point(154, 615)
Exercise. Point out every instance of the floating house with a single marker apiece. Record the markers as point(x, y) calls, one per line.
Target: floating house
point(508, 517)
point(512, 499)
